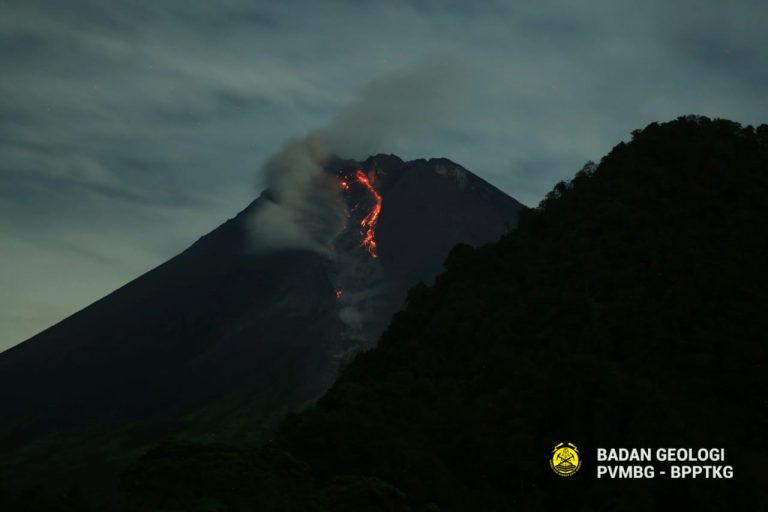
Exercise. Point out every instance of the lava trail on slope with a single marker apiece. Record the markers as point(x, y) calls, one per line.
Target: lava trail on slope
point(369, 221)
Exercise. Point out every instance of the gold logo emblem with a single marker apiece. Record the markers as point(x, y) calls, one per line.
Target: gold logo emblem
point(565, 460)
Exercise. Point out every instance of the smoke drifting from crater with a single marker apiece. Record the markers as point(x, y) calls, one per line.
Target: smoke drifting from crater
point(305, 209)
point(302, 208)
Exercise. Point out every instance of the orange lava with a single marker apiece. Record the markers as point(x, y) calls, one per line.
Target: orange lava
point(368, 224)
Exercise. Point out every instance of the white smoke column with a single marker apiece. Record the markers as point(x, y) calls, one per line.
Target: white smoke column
point(306, 210)
point(398, 107)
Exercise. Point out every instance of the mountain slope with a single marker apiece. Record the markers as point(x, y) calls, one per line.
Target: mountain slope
point(626, 311)
point(224, 339)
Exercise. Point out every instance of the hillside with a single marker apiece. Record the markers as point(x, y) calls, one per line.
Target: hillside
point(627, 310)
point(222, 341)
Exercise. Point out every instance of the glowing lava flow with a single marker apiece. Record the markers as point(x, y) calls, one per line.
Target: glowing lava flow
point(368, 224)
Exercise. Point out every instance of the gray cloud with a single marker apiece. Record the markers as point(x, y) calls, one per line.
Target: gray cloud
point(128, 129)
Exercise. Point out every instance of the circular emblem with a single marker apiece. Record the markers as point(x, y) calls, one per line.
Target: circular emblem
point(565, 459)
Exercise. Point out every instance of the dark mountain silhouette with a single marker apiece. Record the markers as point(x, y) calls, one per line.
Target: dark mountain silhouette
point(627, 310)
point(221, 341)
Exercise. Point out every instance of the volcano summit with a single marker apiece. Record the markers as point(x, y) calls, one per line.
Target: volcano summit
point(223, 340)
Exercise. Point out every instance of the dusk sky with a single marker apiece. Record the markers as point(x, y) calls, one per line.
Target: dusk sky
point(130, 129)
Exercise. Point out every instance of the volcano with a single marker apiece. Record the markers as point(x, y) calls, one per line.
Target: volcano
point(222, 341)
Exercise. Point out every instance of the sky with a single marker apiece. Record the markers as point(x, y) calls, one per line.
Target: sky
point(130, 129)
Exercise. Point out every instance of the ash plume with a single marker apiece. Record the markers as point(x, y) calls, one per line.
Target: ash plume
point(305, 208)
point(302, 208)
